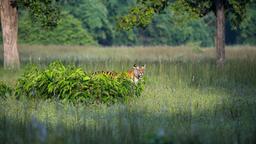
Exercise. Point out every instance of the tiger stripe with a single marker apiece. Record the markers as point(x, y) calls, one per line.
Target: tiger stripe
point(135, 74)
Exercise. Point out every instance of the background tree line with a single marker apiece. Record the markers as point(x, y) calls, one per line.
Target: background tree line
point(93, 22)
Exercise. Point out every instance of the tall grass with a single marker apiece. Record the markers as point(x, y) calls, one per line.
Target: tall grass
point(186, 99)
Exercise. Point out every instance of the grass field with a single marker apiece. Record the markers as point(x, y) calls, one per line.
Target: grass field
point(187, 99)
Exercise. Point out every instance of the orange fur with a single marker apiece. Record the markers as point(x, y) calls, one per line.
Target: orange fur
point(130, 73)
point(135, 74)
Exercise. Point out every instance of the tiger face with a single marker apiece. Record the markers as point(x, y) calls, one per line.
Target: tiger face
point(137, 73)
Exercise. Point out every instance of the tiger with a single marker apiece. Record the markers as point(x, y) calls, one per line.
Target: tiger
point(135, 74)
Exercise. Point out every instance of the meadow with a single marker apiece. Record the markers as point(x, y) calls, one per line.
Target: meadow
point(187, 99)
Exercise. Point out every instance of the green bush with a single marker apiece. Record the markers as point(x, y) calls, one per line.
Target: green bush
point(5, 89)
point(69, 83)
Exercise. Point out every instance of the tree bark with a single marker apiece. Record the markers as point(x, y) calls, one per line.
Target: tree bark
point(9, 21)
point(220, 32)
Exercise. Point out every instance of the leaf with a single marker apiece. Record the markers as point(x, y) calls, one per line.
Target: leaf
point(86, 78)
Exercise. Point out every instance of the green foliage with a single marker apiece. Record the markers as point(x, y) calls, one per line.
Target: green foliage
point(73, 84)
point(165, 29)
point(237, 10)
point(175, 25)
point(94, 17)
point(68, 32)
point(45, 12)
point(128, 38)
point(116, 8)
point(248, 28)
point(5, 90)
point(139, 16)
point(167, 22)
point(142, 14)
point(98, 18)
point(106, 89)
point(184, 12)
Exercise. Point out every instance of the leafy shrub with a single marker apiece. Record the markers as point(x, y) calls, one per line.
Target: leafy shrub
point(108, 89)
point(70, 83)
point(5, 89)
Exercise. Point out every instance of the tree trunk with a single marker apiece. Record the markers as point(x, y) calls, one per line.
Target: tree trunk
point(9, 21)
point(220, 32)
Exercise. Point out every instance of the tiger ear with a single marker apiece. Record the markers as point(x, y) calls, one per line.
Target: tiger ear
point(134, 66)
point(144, 66)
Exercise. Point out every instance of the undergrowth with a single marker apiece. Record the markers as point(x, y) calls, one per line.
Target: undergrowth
point(5, 90)
point(70, 83)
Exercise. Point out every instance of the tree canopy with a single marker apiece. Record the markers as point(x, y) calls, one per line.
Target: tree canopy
point(45, 12)
point(98, 20)
point(69, 31)
point(143, 13)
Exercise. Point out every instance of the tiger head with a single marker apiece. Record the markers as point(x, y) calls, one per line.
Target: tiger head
point(138, 72)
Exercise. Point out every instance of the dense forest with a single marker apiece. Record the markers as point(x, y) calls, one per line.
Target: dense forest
point(93, 22)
